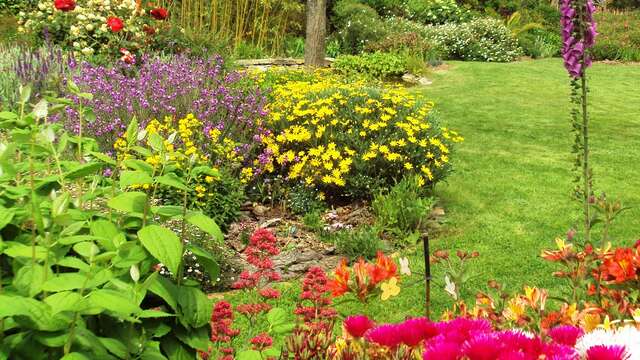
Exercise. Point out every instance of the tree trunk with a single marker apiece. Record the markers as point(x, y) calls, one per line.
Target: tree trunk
point(314, 47)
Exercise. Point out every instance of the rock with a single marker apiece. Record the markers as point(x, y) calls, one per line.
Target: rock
point(270, 223)
point(259, 210)
point(416, 80)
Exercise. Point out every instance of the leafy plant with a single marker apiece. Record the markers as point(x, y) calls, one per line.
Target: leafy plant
point(356, 25)
point(372, 66)
point(514, 23)
point(363, 241)
point(80, 274)
point(403, 210)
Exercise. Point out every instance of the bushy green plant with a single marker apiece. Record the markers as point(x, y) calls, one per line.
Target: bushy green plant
point(302, 200)
point(88, 271)
point(410, 44)
point(402, 210)
point(482, 39)
point(541, 43)
point(313, 221)
point(619, 36)
point(376, 65)
point(363, 241)
point(436, 11)
point(356, 25)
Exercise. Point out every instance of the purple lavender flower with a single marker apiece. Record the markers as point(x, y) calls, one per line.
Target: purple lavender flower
point(578, 35)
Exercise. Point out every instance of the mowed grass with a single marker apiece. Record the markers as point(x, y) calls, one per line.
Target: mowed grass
point(509, 196)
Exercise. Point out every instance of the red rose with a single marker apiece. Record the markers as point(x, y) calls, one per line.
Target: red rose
point(159, 13)
point(149, 30)
point(115, 24)
point(65, 5)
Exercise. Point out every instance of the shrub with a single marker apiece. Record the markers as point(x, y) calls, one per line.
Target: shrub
point(619, 36)
point(402, 210)
point(357, 25)
point(436, 11)
point(325, 133)
point(478, 40)
point(371, 66)
point(408, 44)
point(88, 29)
point(540, 43)
point(363, 241)
point(302, 200)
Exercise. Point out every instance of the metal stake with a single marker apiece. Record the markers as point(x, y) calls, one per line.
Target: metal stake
point(427, 275)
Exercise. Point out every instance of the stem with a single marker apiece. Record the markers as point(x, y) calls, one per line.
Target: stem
point(72, 327)
point(585, 160)
point(80, 118)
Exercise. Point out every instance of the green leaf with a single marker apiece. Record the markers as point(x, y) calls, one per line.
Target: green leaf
point(88, 114)
point(167, 290)
point(53, 340)
point(86, 249)
point(74, 263)
point(206, 170)
point(195, 306)
point(64, 301)
point(172, 180)
point(29, 279)
point(103, 157)
point(105, 231)
point(140, 165)
point(277, 316)
point(167, 210)
point(206, 224)
point(209, 263)
point(249, 355)
point(156, 142)
point(25, 93)
point(150, 314)
point(17, 250)
point(196, 338)
point(31, 313)
point(163, 244)
point(65, 281)
point(75, 356)
point(8, 115)
point(83, 170)
point(129, 253)
point(175, 351)
point(129, 202)
point(70, 240)
point(113, 301)
point(6, 215)
point(152, 351)
point(132, 131)
point(128, 178)
point(114, 346)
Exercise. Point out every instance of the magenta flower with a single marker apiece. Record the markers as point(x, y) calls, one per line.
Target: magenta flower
point(386, 335)
point(566, 334)
point(607, 352)
point(442, 351)
point(578, 35)
point(483, 347)
point(415, 331)
point(358, 325)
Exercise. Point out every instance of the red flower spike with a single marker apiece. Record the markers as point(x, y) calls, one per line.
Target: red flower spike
point(159, 13)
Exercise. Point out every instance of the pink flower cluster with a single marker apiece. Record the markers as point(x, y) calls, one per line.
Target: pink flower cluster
point(263, 245)
point(578, 34)
point(315, 290)
point(221, 332)
point(474, 339)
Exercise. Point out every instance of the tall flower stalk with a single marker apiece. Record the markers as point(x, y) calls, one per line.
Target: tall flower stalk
point(578, 35)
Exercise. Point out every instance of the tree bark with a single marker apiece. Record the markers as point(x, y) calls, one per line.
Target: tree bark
point(314, 47)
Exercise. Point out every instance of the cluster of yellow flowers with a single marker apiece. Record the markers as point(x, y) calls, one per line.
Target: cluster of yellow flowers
point(324, 131)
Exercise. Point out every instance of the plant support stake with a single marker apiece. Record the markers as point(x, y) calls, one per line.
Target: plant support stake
point(427, 276)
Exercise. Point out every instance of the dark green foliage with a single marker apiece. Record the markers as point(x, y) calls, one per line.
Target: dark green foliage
point(408, 43)
point(436, 11)
point(540, 43)
point(356, 25)
point(302, 200)
point(373, 65)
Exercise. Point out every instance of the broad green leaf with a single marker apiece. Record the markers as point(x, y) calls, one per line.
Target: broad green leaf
point(65, 281)
point(17, 250)
point(129, 202)
point(206, 224)
point(139, 165)
point(206, 170)
point(156, 142)
point(6, 215)
point(167, 210)
point(31, 313)
point(128, 178)
point(29, 279)
point(196, 338)
point(106, 231)
point(175, 350)
point(249, 355)
point(86, 249)
point(277, 316)
point(60, 204)
point(129, 253)
point(113, 301)
point(132, 131)
point(88, 113)
point(103, 157)
point(83, 170)
point(167, 290)
point(7, 115)
point(73, 229)
point(152, 351)
point(271, 352)
point(74, 263)
point(172, 180)
point(75, 356)
point(114, 346)
point(70, 240)
point(64, 301)
point(53, 340)
point(195, 306)
point(25, 93)
point(210, 265)
point(163, 244)
point(149, 314)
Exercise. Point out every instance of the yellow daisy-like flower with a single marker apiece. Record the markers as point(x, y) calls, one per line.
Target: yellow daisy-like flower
point(390, 289)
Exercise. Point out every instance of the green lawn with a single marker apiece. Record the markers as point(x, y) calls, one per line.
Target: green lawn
point(509, 195)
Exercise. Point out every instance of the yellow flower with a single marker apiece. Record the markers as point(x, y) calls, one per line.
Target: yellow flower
point(408, 166)
point(208, 179)
point(390, 289)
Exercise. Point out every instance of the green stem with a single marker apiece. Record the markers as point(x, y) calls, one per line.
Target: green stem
point(585, 160)
point(76, 317)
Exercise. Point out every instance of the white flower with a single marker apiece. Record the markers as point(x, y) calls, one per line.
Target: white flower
point(81, 17)
point(89, 27)
point(628, 336)
point(76, 44)
point(87, 51)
